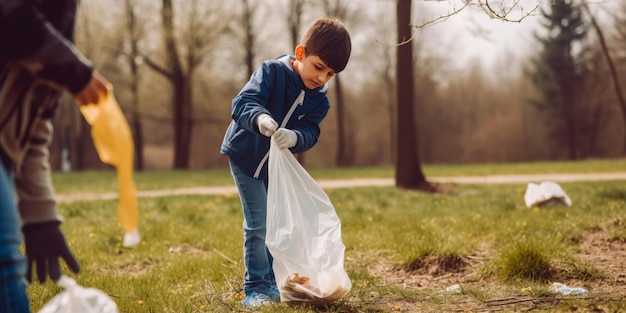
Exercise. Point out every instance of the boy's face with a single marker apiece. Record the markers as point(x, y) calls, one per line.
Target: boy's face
point(312, 70)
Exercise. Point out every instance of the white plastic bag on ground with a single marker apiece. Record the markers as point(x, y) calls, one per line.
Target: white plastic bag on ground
point(78, 299)
point(567, 290)
point(303, 234)
point(545, 193)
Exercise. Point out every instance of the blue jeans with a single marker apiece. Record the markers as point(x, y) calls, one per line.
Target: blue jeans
point(13, 298)
point(259, 276)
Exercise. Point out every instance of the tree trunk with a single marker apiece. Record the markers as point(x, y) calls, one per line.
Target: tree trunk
point(344, 156)
point(613, 70)
point(136, 124)
point(392, 117)
point(569, 115)
point(134, 88)
point(249, 36)
point(181, 104)
point(182, 124)
point(294, 19)
point(408, 169)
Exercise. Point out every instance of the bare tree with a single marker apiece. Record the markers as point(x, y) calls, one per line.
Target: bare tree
point(612, 68)
point(82, 151)
point(345, 146)
point(183, 55)
point(249, 34)
point(83, 154)
point(293, 17)
point(135, 33)
point(387, 76)
point(504, 10)
point(383, 65)
point(409, 173)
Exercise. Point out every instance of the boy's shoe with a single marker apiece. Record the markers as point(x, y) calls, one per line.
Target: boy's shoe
point(256, 299)
point(274, 293)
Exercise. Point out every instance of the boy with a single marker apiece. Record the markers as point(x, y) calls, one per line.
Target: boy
point(285, 98)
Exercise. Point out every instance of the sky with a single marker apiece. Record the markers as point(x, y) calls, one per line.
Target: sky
point(471, 35)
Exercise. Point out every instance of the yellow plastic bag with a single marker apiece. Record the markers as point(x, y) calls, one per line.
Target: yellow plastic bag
point(114, 143)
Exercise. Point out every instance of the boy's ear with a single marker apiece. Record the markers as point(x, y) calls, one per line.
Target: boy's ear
point(299, 53)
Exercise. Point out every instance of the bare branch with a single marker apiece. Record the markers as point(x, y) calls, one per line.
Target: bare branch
point(159, 69)
point(503, 13)
point(610, 63)
point(441, 18)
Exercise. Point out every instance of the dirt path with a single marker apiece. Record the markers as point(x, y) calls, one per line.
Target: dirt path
point(358, 182)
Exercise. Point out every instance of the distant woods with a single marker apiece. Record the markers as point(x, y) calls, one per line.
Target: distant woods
point(176, 65)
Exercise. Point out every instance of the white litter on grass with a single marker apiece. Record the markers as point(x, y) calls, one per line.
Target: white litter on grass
point(78, 299)
point(566, 290)
point(546, 193)
point(454, 289)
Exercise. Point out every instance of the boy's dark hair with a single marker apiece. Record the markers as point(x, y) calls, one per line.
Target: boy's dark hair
point(328, 39)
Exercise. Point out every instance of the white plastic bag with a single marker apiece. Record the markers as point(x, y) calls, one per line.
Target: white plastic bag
point(78, 299)
point(545, 193)
point(303, 234)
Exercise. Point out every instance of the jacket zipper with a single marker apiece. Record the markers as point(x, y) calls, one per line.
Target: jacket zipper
point(299, 101)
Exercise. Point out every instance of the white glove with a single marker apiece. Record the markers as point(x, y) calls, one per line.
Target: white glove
point(285, 138)
point(267, 125)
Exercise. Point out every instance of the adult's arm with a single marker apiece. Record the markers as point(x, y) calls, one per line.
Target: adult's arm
point(26, 35)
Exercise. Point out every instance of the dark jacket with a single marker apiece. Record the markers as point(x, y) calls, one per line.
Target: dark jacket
point(273, 89)
point(38, 61)
point(40, 33)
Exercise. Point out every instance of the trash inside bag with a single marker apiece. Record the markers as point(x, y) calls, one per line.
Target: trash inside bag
point(303, 234)
point(78, 299)
point(546, 193)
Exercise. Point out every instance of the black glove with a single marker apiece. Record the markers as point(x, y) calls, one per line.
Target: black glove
point(45, 243)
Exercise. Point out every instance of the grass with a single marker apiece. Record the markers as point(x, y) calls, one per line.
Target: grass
point(190, 257)
point(529, 260)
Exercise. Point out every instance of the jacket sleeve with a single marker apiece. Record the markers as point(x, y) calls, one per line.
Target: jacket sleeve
point(308, 129)
point(26, 35)
point(253, 98)
point(36, 199)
